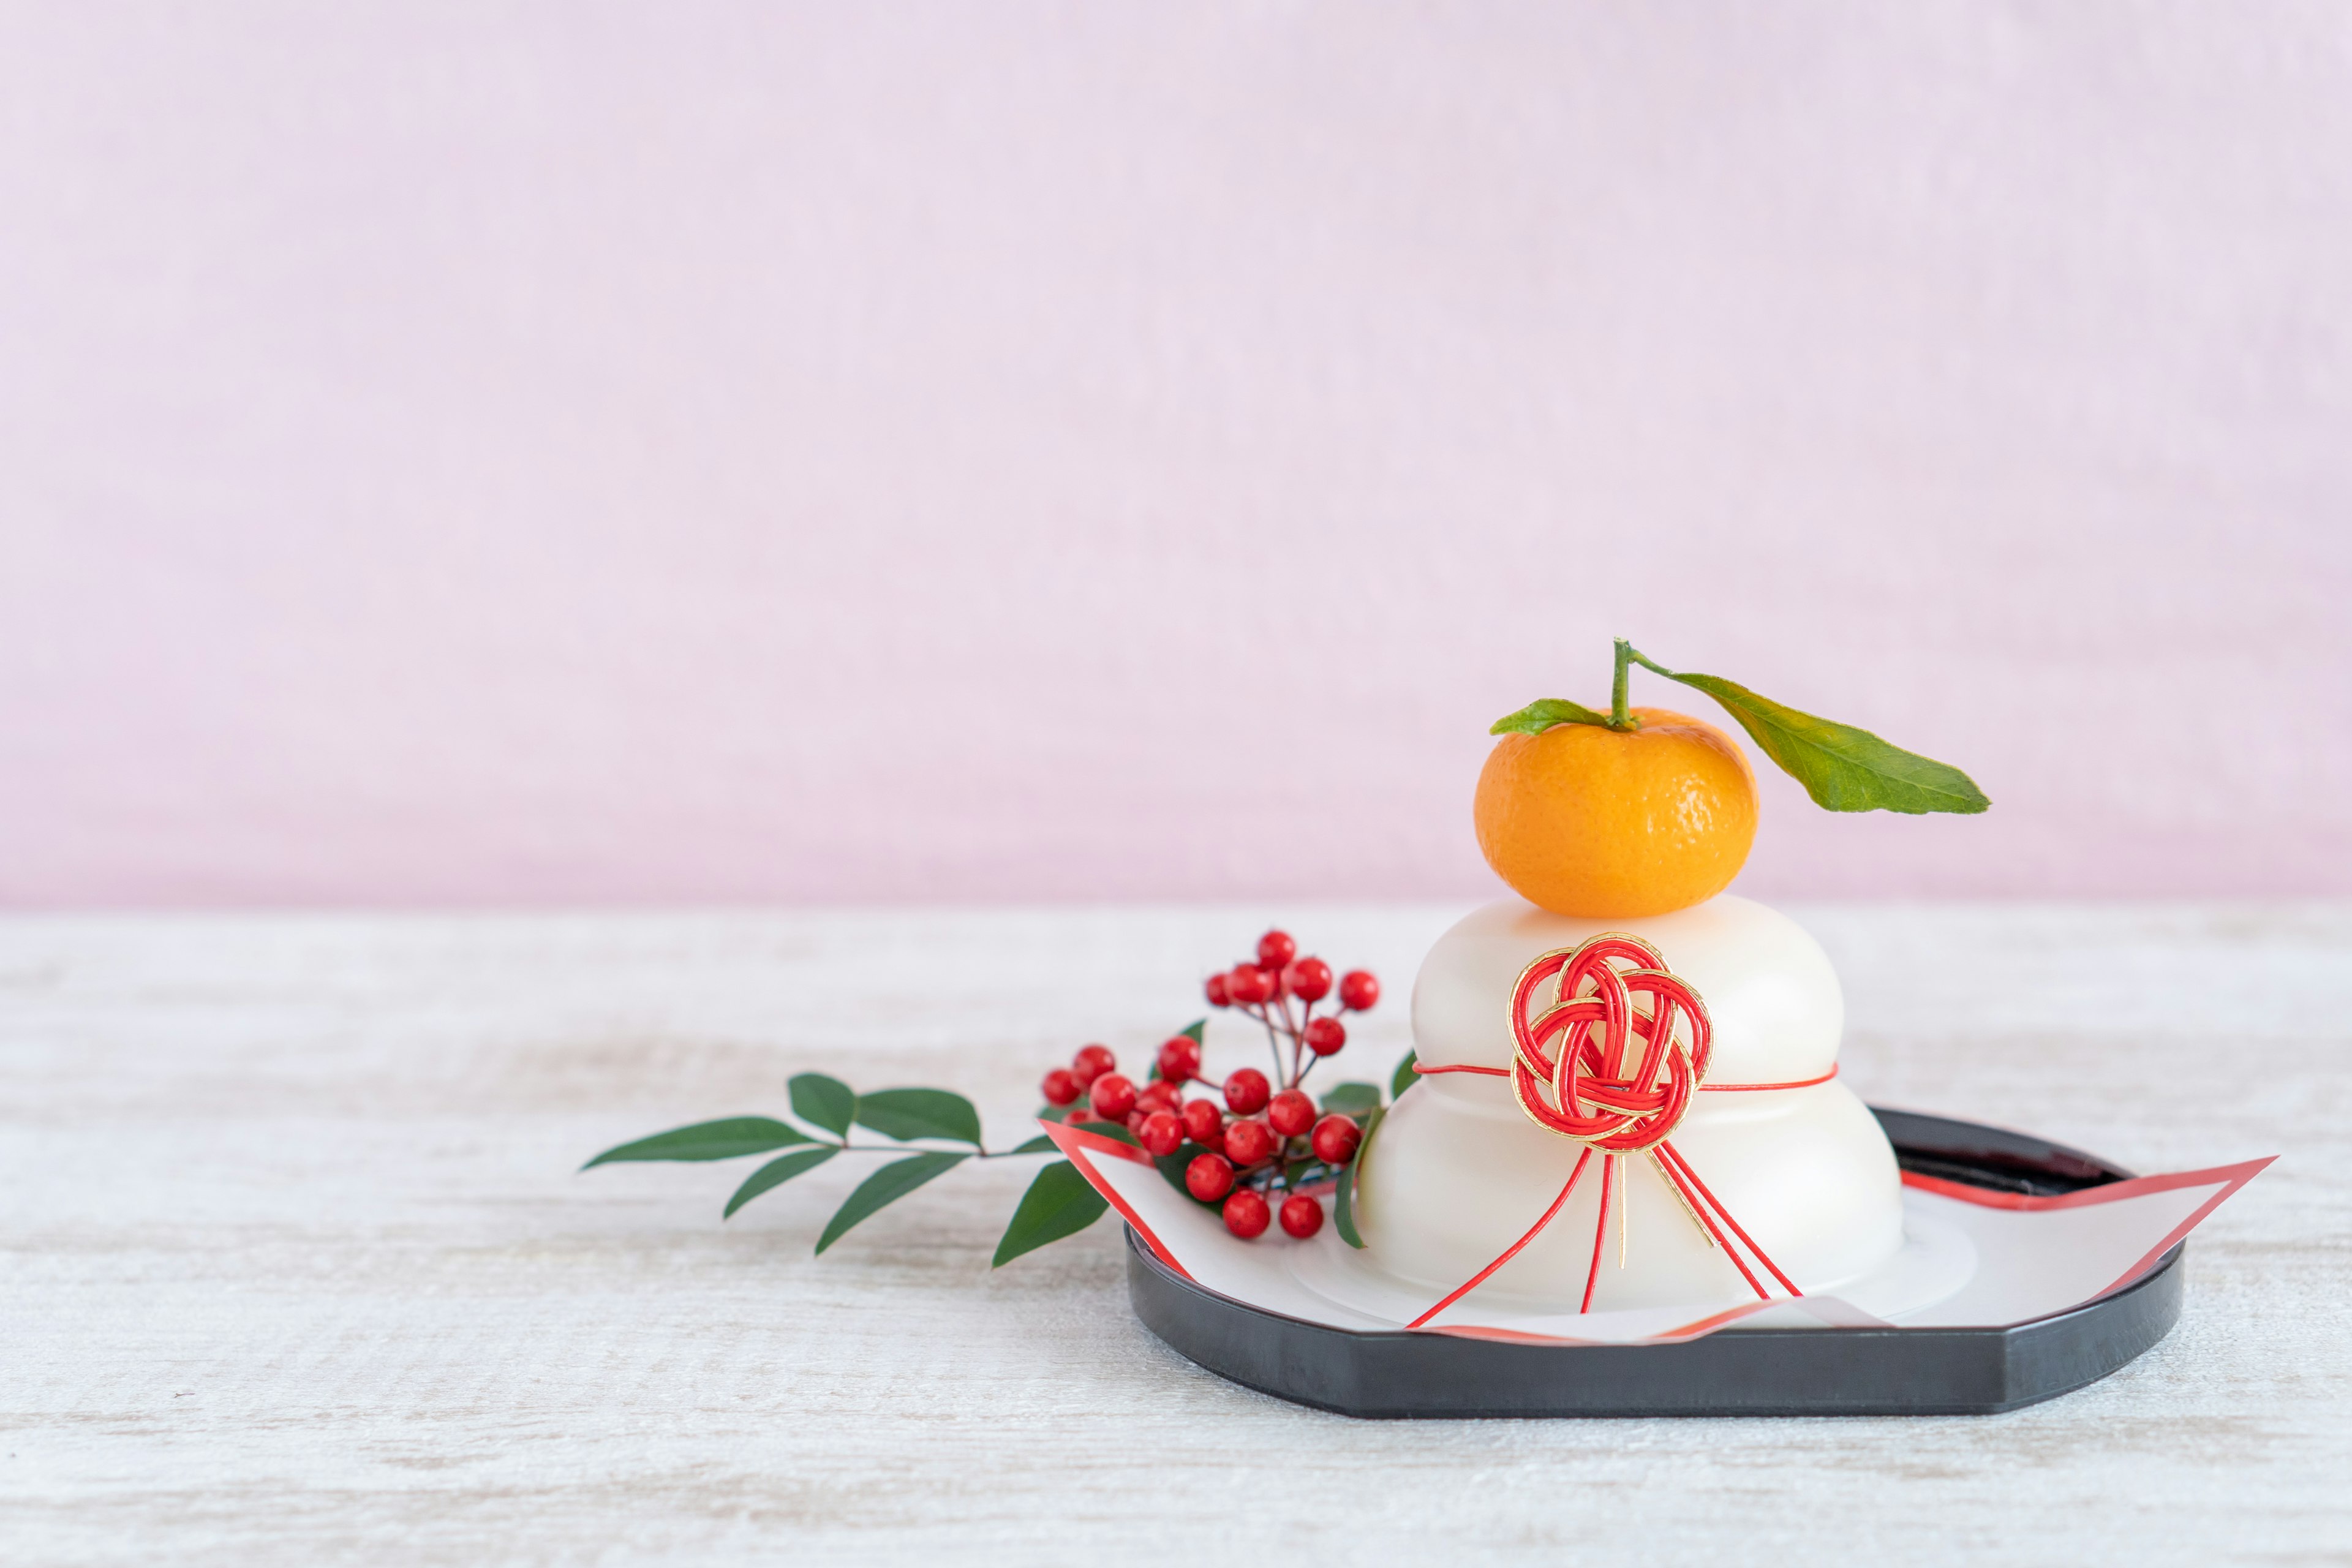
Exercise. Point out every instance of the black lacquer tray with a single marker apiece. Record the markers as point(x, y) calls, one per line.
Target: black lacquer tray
point(1760, 1371)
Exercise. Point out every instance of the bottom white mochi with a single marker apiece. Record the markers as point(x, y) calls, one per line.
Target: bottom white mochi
point(1457, 1172)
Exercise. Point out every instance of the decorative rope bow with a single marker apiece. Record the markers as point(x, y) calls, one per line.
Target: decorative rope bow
point(1568, 1072)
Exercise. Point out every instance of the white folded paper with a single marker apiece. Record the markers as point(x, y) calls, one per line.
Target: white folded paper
point(1972, 1256)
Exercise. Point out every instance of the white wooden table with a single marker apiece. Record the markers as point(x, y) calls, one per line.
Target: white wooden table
point(297, 1269)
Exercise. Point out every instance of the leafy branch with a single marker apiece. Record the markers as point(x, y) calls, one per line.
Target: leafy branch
point(906, 1116)
point(1059, 1202)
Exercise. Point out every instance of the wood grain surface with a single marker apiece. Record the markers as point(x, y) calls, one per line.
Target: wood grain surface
point(298, 1268)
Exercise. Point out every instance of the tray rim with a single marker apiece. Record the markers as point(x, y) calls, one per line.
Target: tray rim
point(2115, 1327)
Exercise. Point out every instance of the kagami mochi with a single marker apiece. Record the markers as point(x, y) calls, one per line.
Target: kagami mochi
point(1628, 1095)
point(1459, 1171)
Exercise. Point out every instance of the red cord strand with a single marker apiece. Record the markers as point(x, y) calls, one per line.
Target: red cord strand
point(1511, 1251)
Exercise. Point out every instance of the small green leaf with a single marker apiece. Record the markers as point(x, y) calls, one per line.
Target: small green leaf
point(1842, 768)
point(904, 1113)
point(1343, 1206)
point(885, 1187)
point(1407, 1073)
point(1059, 1203)
point(1193, 1030)
point(723, 1140)
point(1037, 1145)
point(1352, 1099)
point(776, 1173)
point(823, 1101)
point(1543, 714)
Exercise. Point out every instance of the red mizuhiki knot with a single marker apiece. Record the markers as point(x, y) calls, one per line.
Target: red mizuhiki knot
point(1613, 1060)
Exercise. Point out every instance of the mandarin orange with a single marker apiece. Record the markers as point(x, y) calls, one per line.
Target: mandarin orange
point(1612, 824)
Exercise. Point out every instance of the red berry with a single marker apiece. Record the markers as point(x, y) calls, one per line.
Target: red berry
point(1091, 1063)
point(1112, 1096)
point(1246, 1214)
point(1335, 1138)
point(1247, 1091)
point(1180, 1058)
point(1209, 1177)
point(1359, 990)
point(1204, 1123)
point(1249, 1143)
point(1162, 1132)
point(1291, 1112)
point(1158, 1096)
point(1248, 986)
point(1275, 948)
point(1216, 989)
point(1309, 980)
point(1325, 1035)
point(1060, 1088)
point(1302, 1217)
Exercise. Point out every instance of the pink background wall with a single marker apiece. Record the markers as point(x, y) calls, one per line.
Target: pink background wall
point(554, 452)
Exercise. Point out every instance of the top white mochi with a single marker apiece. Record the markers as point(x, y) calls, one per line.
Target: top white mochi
point(1769, 987)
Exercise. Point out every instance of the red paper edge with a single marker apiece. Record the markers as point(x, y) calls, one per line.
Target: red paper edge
point(2231, 1178)
point(1078, 1147)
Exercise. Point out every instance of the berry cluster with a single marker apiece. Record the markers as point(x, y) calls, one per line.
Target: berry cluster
point(1261, 1141)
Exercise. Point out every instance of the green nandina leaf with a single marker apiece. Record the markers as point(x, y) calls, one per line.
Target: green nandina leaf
point(1343, 1205)
point(823, 1101)
point(776, 1173)
point(1059, 1203)
point(1543, 714)
point(1037, 1145)
point(904, 1113)
point(1407, 1073)
point(1352, 1099)
point(1842, 768)
point(883, 1188)
point(723, 1140)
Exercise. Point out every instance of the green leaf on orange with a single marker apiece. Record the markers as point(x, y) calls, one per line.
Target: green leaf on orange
point(727, 1139)
point(1543, 714)
point(1842, 767)
point(883, 1188)
point(776, 1173)
point(1059, 1203)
